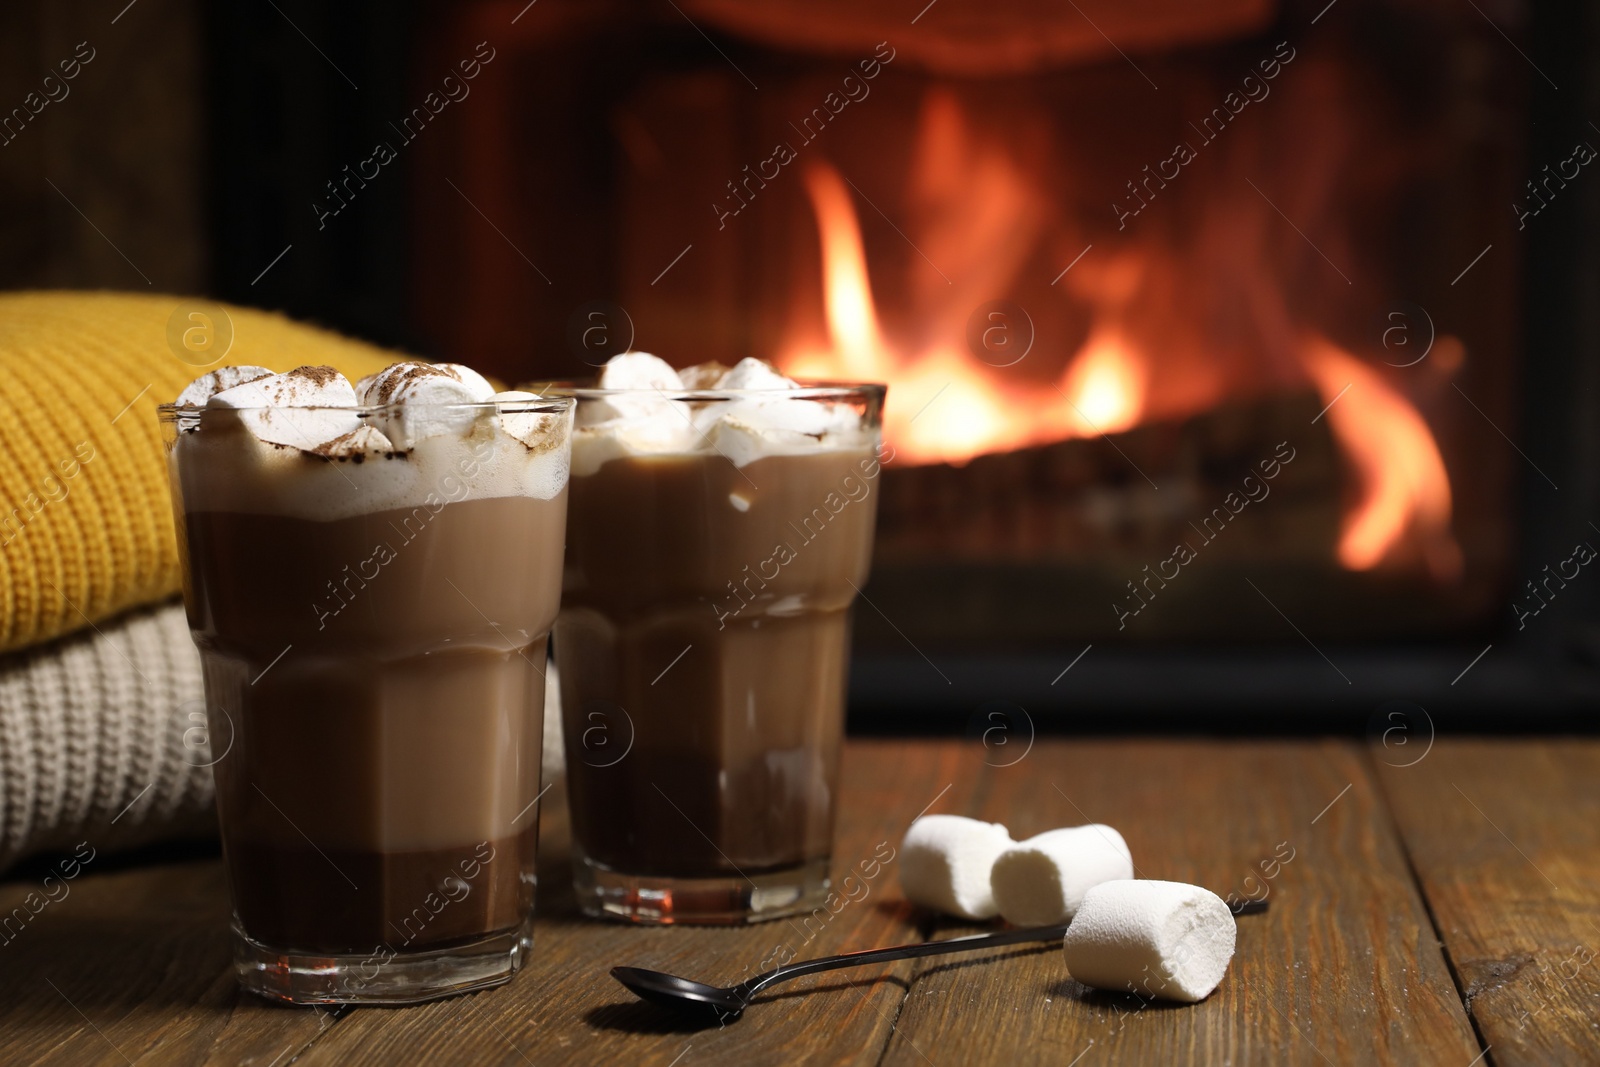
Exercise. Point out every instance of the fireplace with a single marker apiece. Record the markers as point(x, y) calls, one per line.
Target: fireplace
point(1209, 328)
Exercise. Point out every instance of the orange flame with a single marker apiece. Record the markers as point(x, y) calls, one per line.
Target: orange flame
point(1400, 475)
point(1105, 384)
point(952, 406)
point(847, 297)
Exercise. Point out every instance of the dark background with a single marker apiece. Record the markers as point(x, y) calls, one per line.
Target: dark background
point(189, 151)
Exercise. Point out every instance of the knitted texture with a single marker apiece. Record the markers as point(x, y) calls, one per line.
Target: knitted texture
point(102, 738)
point(85, 514)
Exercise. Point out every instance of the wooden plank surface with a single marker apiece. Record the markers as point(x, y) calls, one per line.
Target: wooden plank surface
point(132, 966)
point(1342, 968)
point(1505, 840)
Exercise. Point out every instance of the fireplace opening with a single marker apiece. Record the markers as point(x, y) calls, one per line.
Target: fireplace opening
point(1206, 326)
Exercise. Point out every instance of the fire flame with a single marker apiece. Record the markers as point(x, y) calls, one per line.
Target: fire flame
point(847, 297)
point(951, 405)
point(1105, 384)
point(954, 407)
point(1400, 476)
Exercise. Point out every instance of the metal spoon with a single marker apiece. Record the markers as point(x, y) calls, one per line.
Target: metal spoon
point(726, 1003)
point(715, 1003)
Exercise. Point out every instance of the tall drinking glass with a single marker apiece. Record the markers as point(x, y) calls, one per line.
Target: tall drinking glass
point(372, 627)
point(703, 644)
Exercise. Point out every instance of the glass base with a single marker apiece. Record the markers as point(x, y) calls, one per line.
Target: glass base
point(606, 894)
point(381, 976)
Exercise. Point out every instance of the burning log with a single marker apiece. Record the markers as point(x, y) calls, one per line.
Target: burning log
point(1069, 542)
point(1129, 495)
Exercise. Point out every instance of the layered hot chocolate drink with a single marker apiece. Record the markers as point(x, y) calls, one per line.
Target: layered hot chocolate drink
point(372, 574)
point(717, 536)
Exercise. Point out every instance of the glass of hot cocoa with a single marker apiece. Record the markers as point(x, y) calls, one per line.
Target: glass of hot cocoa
point(371, 573)
point(720, 526)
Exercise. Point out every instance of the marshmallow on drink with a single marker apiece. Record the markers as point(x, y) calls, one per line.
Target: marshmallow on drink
point(422, 400)
point(744, 413)
point(945, 862)
point(203, 388)
point(305, 408)
point(1041, 881)
point(297, 443)
point(1157, 939)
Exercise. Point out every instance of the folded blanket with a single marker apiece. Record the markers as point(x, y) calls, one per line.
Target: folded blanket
point(85, 517)
point(102, 738)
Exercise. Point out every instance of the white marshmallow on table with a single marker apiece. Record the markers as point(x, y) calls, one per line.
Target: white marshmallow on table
point(945, 862)
point(305, 408)
point(1041, 881)
point(203, 388)
point(1158, 939)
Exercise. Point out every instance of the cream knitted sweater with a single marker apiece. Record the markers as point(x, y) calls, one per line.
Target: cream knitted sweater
point(102, 738)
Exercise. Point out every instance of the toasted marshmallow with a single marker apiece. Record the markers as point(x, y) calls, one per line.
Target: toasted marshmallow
point(300, 443)
point(1042, 881)
point(1157, 939)
point(203, 388)
point(535, 429)
point(396, 383)
point(945, 862)
point(423, 400)
point(305, 408)
point(363, 440)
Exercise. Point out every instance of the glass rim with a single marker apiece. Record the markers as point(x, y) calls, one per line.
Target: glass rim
point(810, 389)
point(553, 404)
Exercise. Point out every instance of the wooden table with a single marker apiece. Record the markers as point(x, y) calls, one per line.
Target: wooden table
point(1446, 912)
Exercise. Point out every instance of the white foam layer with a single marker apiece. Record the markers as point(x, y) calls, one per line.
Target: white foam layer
point(743, 428)
point(256, 451)
point(1157, 939)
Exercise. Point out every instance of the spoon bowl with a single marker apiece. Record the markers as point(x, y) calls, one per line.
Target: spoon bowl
point(681, 994)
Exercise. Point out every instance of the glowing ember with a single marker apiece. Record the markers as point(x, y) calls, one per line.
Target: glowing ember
point(1400, 474)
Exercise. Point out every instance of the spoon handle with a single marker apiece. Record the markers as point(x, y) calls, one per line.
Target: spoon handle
point(971, 943)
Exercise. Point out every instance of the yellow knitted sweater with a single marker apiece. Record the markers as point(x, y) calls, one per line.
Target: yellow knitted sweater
point(85, 517)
